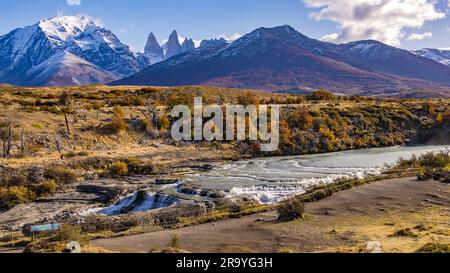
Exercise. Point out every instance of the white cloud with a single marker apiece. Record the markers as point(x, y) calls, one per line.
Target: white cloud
point(197, 43)
point(419, 36)
point(382, 20)
point(73, 2)
point(233, 37)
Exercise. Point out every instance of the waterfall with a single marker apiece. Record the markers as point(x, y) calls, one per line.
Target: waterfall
point(138, 202)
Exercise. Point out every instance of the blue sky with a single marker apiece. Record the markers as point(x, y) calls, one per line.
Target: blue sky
point(410, 24)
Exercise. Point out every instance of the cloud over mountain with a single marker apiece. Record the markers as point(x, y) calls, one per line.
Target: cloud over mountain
point(382, 20)
point(420, 36)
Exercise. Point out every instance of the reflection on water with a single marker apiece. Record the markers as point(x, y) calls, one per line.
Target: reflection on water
point(271, 180)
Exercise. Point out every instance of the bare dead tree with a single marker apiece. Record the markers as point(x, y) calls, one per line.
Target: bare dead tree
point(67, 122)
point(66, 103)
point(9, 140)
point(59, 145)
point(69, 143)
point(23, 140)
point(153, 115)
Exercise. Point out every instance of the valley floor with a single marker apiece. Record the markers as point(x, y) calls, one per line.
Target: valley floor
point(345, 222)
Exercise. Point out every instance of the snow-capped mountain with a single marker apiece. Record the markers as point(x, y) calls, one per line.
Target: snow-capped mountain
point(25, 48)
point(439, 55)
point(281, 58)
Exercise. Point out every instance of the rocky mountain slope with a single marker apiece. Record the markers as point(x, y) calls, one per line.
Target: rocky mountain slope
point(65, 68)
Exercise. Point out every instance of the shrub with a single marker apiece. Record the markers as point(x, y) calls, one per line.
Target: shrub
point(291, 210)
point(434, 247)
point(425, 173)
point(435, 160)
point(406, 232)
point(163, 123)
point(118, 123)
point(69, 233)
point(72, 154)
point(91, 163)
point(300, 119)
point(248, 99)
point(19, 180)
point(12, 196)
point(321, 95)
point(48, 187)
point(136, 166)
point(61, 175)
point(119, 168)
point(431, 166)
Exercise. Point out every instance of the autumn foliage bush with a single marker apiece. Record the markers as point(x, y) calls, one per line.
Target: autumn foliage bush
point(118, 123)
point(119, 168)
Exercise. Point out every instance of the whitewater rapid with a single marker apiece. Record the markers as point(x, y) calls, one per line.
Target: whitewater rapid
point(268, 180)
point(272, 180)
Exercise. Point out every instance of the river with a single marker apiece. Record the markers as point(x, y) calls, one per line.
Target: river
point(270, 180)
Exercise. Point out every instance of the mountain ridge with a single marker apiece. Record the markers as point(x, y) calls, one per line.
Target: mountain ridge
point(282, 58)
point(272, 59)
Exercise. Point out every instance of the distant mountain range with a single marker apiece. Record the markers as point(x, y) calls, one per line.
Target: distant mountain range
point(282, 59)
point(75, 50)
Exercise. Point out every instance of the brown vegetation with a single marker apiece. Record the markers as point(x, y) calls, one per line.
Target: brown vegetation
point(68, 132)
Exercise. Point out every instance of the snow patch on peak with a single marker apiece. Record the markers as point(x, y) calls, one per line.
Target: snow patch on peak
point(363, 46)
point(439, 55)
point(60, 29)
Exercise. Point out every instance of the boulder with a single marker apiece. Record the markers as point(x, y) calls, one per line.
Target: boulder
point(374, 247)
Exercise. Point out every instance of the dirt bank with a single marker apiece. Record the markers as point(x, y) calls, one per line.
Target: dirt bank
point(344, 222)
